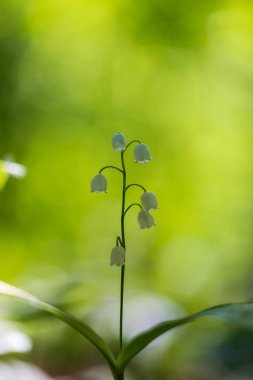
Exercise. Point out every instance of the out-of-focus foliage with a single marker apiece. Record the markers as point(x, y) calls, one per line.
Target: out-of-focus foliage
point(178, 76)
point(3, 176)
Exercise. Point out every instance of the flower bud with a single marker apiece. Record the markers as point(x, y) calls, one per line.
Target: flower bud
point(98, 184)
point(149, 201)
point(118, 255)
point(118, 142)
point(141, 153)
point(145, 219)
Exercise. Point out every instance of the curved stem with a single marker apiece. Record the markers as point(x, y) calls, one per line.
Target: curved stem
point(110, 167)
point(136, 184)
point(131, 205)
point(132, 142)
point(118, 241)
point(123, 241)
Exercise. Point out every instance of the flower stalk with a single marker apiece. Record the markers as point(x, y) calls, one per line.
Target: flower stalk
point(123, 242)
point(145, 219)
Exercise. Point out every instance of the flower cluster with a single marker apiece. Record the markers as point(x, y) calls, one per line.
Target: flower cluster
point(148, 200)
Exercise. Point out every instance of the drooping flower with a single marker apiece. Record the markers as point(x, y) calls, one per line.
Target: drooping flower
point(141, 153)
point(119, 142)
point(118, 255)
point(98, 184)
point(145, 219)
point(149, 201)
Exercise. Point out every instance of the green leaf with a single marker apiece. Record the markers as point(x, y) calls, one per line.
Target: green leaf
point(241, 314)
point(75, 323)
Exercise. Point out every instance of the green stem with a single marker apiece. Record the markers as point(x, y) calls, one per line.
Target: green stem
point(122, 280)
point(132, 142)
point(136, 184)
point(131, 205)
point(110, 167)
point(118, 375)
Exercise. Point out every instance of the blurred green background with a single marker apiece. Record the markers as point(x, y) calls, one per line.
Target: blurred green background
point(177, 75)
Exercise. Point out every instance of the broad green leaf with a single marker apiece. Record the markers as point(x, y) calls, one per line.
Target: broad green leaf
point(75, 323)
point(241, 314)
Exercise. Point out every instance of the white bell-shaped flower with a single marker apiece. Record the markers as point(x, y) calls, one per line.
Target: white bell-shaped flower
point(145, 219)
point(141, 153)
point(118, 255)
point(149, 201)
point(98, 184)
point(119, 142)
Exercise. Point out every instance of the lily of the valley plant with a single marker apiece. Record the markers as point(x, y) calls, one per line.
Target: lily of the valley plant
point(240, 313)
point(147, 202)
